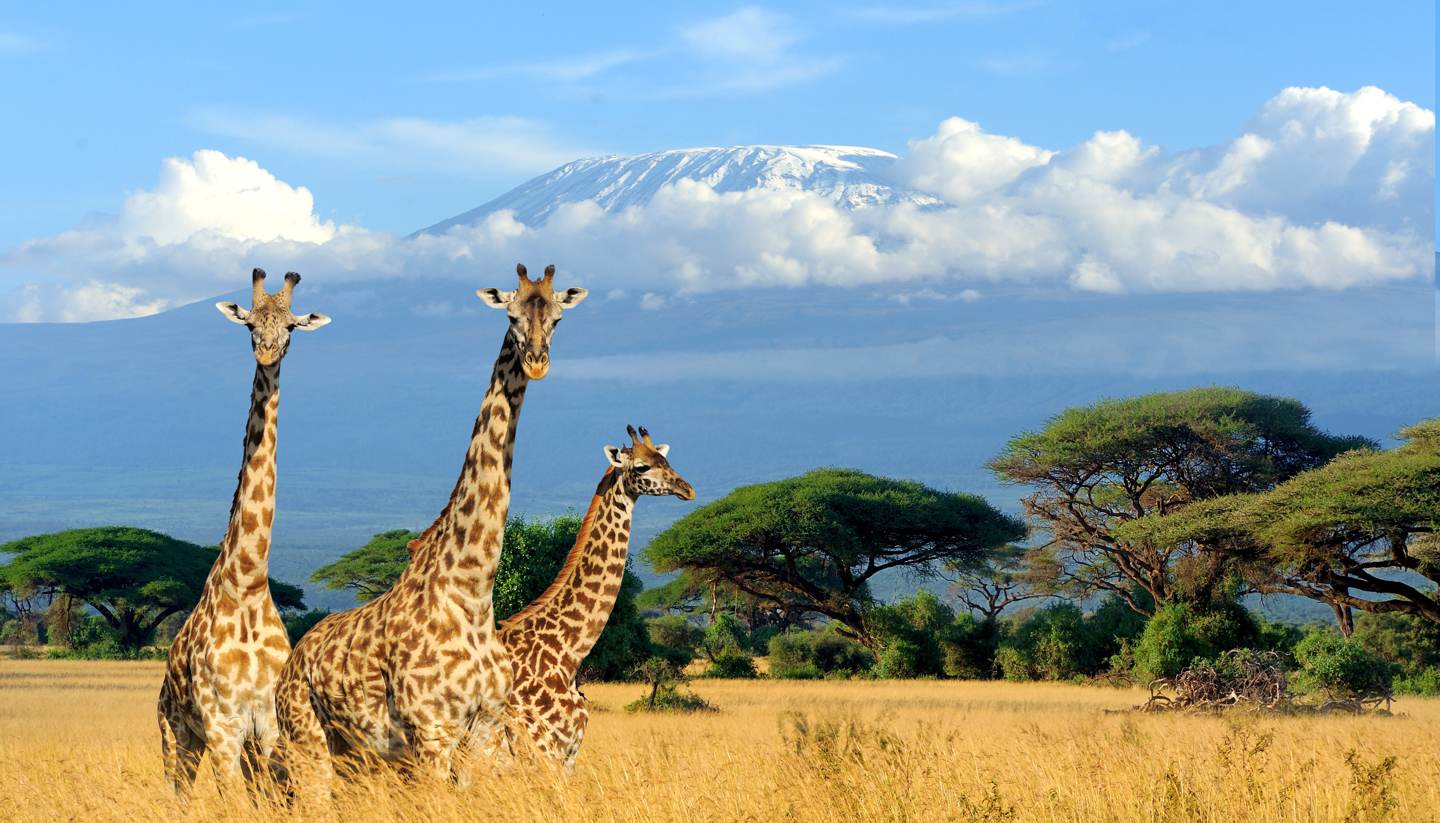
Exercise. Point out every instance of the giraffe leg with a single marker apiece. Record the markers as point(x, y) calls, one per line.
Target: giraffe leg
point(180, 747)
point(432, 751)
point(227, 755)
point(303, 764)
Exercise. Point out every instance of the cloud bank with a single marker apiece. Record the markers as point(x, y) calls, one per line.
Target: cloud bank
point(1321, 190)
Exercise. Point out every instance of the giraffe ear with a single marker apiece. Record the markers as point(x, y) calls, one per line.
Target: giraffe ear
point(494, 298)
point(612, 453)
point(311, 321)
point(571, 298)
point(662, 448)
point(233, 313)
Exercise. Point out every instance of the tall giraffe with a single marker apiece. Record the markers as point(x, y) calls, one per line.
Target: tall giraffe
point(548, 639)
point(408, 673)
point(219, 688)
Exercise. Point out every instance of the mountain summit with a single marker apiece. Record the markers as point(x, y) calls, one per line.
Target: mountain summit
point(850, 176)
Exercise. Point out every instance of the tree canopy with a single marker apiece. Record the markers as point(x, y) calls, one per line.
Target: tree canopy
point(1096, 467)
point(820, 538)
point(1359, 532)
point(133, 578)
point(372, 569)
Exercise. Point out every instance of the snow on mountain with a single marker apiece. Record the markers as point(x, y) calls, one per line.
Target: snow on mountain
point(850, 176)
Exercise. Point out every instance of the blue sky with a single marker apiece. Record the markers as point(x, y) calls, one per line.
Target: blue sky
point(95, 100)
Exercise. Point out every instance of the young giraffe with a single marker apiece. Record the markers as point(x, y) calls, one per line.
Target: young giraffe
point(548, 639)
point(219, 688)
point(408, 673)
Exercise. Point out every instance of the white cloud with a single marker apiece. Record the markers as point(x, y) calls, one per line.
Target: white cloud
point(749, 50)
point(472, 146)
point(1111, 215)
point(559, 69)
point(231, 198)
point(1128, 40)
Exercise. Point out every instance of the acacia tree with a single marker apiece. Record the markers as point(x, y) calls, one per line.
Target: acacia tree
point(1097, 467)
point(1358, 533)
point(817, 540)
point(133, 578)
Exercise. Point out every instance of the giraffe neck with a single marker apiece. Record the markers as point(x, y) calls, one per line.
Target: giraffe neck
point(461, 549)
point(578, 603)
point(242, 569)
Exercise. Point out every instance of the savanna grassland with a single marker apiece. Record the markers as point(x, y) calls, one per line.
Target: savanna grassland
point(78, 742)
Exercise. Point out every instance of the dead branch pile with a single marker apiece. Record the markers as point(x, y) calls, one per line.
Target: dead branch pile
point(1242, 678)
point(1237, 678)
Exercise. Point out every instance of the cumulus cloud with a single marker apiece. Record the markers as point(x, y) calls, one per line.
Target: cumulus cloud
point(1321, 190)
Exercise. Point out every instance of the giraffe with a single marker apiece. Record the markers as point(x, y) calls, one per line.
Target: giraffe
point(218, 694)
point(407, 674)
point(548, 639)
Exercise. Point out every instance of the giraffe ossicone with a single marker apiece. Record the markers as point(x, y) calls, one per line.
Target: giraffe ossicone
point(218, 694)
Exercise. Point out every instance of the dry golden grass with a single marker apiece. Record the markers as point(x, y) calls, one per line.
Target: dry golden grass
point(78, 742)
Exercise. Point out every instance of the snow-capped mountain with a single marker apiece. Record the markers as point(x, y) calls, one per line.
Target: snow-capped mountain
point(851, 176)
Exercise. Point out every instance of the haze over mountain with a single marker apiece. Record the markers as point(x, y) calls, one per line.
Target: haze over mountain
point(138, 421)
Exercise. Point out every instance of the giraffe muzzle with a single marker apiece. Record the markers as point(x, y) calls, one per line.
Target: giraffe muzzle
point(684, 491)
point(537, 365)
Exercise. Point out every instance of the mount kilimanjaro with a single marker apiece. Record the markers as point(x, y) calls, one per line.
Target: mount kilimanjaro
point(849, 176)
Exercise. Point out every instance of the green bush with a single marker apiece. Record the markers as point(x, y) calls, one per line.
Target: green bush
point(1424, 683)
point(725, 635)
point(1338, 667)
point(1411, 643)
point(675, 638)
point(808, 655)
point(670, 698)
point(298, 623)
point(733, 665)
point(1180, 633)
point(968, 647)
point(1052, 644)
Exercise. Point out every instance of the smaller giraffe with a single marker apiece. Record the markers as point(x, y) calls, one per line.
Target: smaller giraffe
point(548, 639)
point(219, 688)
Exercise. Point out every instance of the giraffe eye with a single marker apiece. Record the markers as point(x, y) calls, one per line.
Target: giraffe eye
point(641, 467)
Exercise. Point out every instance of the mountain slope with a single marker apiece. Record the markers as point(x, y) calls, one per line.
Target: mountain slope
point(851, 176)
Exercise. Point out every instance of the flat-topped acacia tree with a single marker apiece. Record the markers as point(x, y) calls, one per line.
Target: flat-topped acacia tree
point(1361, 532)
point(818, 540)
point(1095, 468)
point(133, 578)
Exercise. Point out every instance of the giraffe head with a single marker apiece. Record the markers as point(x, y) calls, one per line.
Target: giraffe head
point(643, 468)
point(534, 308)
point(270, 319)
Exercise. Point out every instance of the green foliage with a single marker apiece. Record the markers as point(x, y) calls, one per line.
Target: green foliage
point(665, 678)
point(1411, 643)
point(372, 569)
point(1356, 532)
point(134, 578)
point(968, 646)
point(298, 623)
point(725, 635)
point(675, 639)
point(1051, 645)
point(1095, 468)
point(1339, 667)
point(814, 542)
point(1180, 633)
point(810, 655)
point(735, 665)
point(1424, 683)
point(909, 635)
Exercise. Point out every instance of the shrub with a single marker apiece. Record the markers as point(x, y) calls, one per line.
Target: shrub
point(733, 665)
point(968, 648)
point(1424, 683)
point(808, 655)
point(675, 639)
point(671, 699)
point(725, 635)
point(1411, 643)
point(1050, 645)
point(1339, 667)
point(298, 623)
point(1180, 633)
